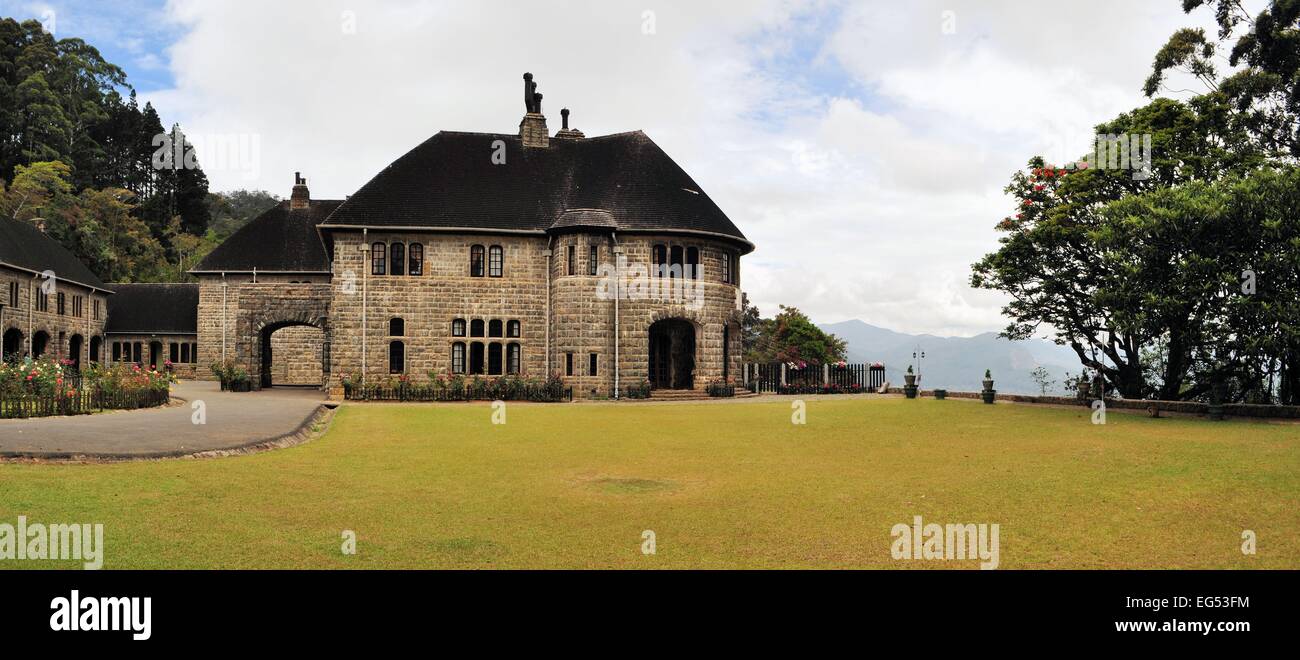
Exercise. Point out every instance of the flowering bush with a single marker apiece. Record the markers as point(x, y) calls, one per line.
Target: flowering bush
point(45, 386)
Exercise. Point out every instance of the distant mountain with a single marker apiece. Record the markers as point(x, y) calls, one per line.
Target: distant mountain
point(958, 363)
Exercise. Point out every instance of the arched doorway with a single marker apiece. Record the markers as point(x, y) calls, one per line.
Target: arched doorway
point(75, 345)
point(40, 341)
point(155, 354)
point(672, 354)
point(96, 345)
point(292, 353)
point(13, 344)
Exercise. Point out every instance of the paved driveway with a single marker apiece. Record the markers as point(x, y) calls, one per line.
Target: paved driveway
point(233, 420)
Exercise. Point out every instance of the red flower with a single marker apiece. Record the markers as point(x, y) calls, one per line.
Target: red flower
point(1039, 187)
point(1028, 202)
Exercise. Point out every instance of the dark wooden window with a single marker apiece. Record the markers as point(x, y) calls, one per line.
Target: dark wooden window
point(185, 353)
point(94, 304)
point(194, 353)
point(512, 359)
point(378, 253)
point(62, 300)
point(77, 306)
point(396, 327)
point(494, 328)
point(591, 365)
point(693, 262)
point(571, 267)
point(659, 258)
point(399, 258)
point(476, 328)
point(174, 352)
point(513, 329)
point(476, 357)
point(42, 301)
point(396, 357)
point(458, 327)
point(117, 351)
point(593, 254)
point(13, 294)
point(416, 256)
point(568, 364)
point(494, 359)
point(726, 267)
point(476, 261)
point(496, 261)
point(458, 357)
point(137, 352)
point(676, 255)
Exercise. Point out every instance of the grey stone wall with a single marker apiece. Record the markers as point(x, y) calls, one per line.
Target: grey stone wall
point(60, 327)
point(181, 369)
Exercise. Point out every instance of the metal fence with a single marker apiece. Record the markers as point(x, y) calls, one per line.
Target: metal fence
point(481, 392)
point(783, 378)
point(83, 402)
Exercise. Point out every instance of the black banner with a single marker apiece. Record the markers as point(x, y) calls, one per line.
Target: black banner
point(237, 608)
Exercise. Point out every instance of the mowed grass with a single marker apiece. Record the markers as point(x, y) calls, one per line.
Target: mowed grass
point(722, 485)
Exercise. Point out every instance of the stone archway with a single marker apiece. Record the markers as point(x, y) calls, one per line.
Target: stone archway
point(672, 354)
point(290, 351)
point(40, 343)
point(75, 344)
point(13, 344)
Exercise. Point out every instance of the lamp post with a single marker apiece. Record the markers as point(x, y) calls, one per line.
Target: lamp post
point(918, 355)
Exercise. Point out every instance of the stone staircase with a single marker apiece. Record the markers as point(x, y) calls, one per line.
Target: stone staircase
point(693, 395)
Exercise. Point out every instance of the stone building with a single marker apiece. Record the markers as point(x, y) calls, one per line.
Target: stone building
point(50, 303)
point(594, 258)
point(154, 325)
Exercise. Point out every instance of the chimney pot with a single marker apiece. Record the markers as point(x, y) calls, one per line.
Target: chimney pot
point(564, 118)
point(301, 197)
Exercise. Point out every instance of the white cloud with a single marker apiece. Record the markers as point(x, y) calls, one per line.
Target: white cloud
point(866, 162)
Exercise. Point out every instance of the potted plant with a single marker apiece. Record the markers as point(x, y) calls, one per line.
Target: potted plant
point(1084, 386)
point(909, 386)
point(988, 393)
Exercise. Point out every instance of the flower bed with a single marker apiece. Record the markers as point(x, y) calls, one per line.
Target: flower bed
point(458, 388)
point(42, 388)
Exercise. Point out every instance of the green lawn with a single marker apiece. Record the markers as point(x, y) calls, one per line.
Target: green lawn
point(720, 484)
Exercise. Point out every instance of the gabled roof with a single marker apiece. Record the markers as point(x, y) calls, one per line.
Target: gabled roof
point(278, 240)
point(27, 247)
point(451, 182)
point(161, 309)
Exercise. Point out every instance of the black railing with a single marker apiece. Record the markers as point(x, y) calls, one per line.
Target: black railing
point(469, 392)
point(82, 403)
point(814, 378)
point(720, 390)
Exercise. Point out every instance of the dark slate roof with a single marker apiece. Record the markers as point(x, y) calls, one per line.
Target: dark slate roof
point(161, 309)
point(25, 246)
point(278, 240)
point(450, 182)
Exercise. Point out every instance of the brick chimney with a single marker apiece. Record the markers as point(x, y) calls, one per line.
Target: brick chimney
point(301, 197)
point(532, 129)
point(567, 133)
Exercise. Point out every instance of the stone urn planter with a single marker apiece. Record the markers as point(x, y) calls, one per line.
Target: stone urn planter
point(988, 394)
point(909, 387)
point(940, 394)
point(1084, 389)
point(1218, 392)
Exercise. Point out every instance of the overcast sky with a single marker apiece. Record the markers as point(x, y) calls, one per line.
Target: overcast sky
point(863, 146)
